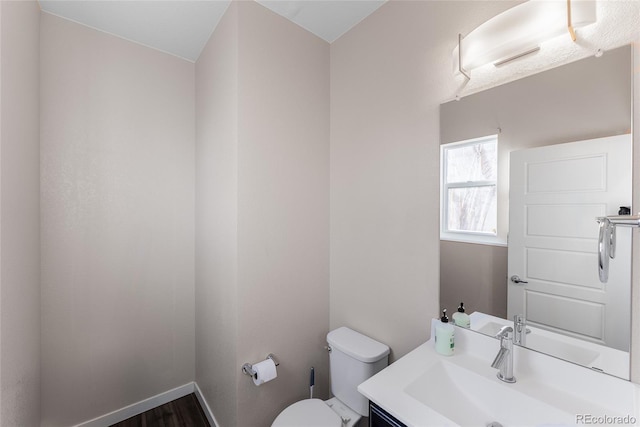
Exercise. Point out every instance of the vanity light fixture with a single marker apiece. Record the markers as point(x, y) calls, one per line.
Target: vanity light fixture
point(519, 31)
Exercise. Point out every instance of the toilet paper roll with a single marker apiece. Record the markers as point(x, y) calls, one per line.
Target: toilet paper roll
point(264, 371)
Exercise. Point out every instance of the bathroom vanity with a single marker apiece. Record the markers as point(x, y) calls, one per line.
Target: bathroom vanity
point(426, 389)
point(378, 417)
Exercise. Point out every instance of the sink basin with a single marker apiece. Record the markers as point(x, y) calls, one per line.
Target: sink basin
point(548, 345)
point(469, 399)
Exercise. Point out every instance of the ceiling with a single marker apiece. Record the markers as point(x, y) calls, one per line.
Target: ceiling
point(182, 27)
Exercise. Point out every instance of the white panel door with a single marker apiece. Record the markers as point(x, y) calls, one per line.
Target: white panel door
point(555, 194)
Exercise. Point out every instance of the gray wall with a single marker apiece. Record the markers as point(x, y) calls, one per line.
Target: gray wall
point(473, 274)
point(283, 216)
point(217, 219)
point(590, 98)
point(117, 216)
point(19, 215)
point(263, 213)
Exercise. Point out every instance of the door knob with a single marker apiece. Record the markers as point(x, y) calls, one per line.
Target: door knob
point(516, 279)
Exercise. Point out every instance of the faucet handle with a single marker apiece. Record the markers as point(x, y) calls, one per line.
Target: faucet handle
point(505, 332)
point(499, 360)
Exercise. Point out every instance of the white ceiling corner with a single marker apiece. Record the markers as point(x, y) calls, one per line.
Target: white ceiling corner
point(327, 19)
point(178, 27)
point(183, 27)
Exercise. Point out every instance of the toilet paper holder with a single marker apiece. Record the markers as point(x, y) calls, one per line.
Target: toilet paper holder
point(247, 368)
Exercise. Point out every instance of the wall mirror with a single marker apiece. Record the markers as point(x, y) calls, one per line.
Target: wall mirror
point(555, 130)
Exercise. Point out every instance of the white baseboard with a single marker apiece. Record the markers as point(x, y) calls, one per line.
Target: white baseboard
point(205, 407)
point(143, 406)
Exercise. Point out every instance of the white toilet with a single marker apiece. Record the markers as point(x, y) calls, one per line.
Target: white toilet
point(353, 359)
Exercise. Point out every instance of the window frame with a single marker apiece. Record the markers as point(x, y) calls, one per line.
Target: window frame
point(479, 237)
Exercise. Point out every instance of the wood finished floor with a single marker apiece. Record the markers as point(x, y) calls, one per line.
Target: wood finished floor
point(183, 412)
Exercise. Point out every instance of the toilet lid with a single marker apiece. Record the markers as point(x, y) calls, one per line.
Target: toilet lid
point(308, 413)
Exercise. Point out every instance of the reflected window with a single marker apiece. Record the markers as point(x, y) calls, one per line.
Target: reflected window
point(469, 171)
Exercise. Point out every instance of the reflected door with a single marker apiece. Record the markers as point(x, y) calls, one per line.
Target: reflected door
point(556, 193)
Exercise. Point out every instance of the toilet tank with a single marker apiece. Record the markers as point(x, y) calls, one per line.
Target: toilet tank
point(354, 358)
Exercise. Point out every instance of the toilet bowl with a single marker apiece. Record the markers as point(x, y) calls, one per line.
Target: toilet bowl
point(317, 413)
point(353, 358)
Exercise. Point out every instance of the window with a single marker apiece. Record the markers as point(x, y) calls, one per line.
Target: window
point(469, 193)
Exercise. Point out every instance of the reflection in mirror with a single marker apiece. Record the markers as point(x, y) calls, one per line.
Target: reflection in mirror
point(575, 350)
point(546, 204)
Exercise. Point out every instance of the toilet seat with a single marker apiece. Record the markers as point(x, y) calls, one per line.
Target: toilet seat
point(308, 413)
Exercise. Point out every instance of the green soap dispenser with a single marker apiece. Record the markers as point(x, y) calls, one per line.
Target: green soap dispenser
point(444, 335)
point(460, 318)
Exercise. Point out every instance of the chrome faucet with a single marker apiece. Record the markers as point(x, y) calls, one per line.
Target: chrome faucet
point(520, 330)
point(504, 358)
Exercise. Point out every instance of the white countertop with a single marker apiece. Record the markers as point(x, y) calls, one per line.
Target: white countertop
point(560, 389)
